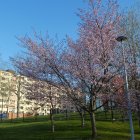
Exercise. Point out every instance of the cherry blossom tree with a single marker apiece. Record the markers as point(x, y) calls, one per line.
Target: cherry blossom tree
point(86, 65)
point(91, 58)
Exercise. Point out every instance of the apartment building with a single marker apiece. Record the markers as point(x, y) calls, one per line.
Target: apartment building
point(7, 96)
point(14, 96)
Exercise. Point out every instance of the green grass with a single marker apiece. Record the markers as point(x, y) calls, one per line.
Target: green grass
point(40, 129)
point(65, 129)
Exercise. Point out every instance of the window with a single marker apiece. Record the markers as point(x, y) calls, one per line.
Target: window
point(3, 78)
point(21, 107)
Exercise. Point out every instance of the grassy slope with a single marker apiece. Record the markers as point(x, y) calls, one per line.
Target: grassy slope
point(64, 129)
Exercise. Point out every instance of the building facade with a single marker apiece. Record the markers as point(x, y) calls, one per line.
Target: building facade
point(14, 96)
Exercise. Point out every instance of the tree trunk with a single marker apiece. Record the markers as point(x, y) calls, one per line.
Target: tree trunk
point(83, 120)
point(7, 110)
point(66, 114)
point(7, 107)
point(122, 116)
point(138, 118)
point(17, 107)
point(93, 124)
point(82, 114)
point(52, 120)
point(23, 116)
point(112, 113)
point(105, 115)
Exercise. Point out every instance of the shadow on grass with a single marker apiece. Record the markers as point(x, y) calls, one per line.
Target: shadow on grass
point(65, 130)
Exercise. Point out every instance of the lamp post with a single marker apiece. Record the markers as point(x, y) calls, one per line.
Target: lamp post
point(121, 39)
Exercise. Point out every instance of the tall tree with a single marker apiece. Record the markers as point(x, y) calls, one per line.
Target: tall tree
point(86, 65)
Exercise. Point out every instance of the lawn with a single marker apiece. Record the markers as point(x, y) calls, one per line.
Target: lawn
point(64, 129)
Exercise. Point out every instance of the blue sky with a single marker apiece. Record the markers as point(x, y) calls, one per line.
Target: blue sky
point(20, 17)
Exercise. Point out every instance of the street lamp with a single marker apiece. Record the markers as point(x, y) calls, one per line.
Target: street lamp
point(121, 39)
